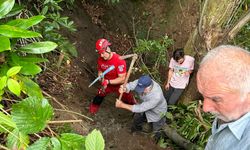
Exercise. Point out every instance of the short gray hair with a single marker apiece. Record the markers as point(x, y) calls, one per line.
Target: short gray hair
point(233, 62)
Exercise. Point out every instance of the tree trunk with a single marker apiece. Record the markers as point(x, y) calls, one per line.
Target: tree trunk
point(217, 19)
point(179, 140)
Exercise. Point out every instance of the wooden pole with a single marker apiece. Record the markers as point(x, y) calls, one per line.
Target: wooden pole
point(127, 56)
point(64, 121)
point(135, 56)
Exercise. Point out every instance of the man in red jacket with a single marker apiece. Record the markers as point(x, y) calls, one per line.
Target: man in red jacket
point(113, 79)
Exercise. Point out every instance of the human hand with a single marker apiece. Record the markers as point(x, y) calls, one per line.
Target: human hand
point(186, 73)
point(100, 75)
point(167, 86)
point(122, 89)
point(105, 83)
point(118, 103)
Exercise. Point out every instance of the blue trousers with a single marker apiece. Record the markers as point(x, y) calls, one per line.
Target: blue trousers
point(173, 95)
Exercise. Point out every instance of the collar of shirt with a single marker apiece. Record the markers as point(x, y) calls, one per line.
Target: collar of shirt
point(150, 91)
point(237, 127)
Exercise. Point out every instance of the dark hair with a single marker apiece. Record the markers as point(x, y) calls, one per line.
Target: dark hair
point(178, 54)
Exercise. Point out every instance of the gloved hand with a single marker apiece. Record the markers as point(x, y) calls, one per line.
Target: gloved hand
point(105, 82)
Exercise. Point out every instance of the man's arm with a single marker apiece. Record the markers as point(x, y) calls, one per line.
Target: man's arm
point(119, 80)
point(120, 104)
point(121, 71)
point(128, 87)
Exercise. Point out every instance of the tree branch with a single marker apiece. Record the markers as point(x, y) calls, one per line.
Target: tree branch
point(74, 113)
point(201, 16)
point(64, 121)
point(179, 140)
point(197, 111)
point(63, 106)
point(51, 131)
point(4, 148)
point(239, 25)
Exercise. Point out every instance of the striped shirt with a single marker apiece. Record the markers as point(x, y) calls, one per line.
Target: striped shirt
point(153, 103)
point(230, 136)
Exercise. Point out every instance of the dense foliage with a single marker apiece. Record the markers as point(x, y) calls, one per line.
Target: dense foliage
point(191, 122)
point(53, 23)
point(243, 38)
point(21, 52)
point(153, 55)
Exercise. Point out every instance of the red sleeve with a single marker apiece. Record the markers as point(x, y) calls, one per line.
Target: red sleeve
point(121, 67)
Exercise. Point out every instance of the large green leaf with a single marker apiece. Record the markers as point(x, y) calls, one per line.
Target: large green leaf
point(14, 59)
point(14, 86)
point(39, 47)
point(31, 88)
point(14, 11)
point(5, 43)
point(1, 93)
point(41, 144)
point(31, 115)
point(67, 47)
point(72, 141)
point(30, 69)
point(32, 59)
point(17, 60)
point(3, 81)
point(5, 7)
point(55, 144)
point(26, 23)
point(94, 141)
point(13, 71)
point(27, 63)
point(6, 122)
point(17, 140)
point(44, 10)
point(14, 32)
point(3, 69)
point(5, 119)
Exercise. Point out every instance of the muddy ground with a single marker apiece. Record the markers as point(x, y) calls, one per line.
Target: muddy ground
point(69, 84)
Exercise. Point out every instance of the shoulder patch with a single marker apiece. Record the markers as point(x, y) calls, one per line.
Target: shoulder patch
point(121, 68)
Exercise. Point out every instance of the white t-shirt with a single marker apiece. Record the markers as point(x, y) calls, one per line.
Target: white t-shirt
point(179, 80)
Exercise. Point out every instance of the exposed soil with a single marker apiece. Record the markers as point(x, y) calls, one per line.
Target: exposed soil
point(69, 84)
